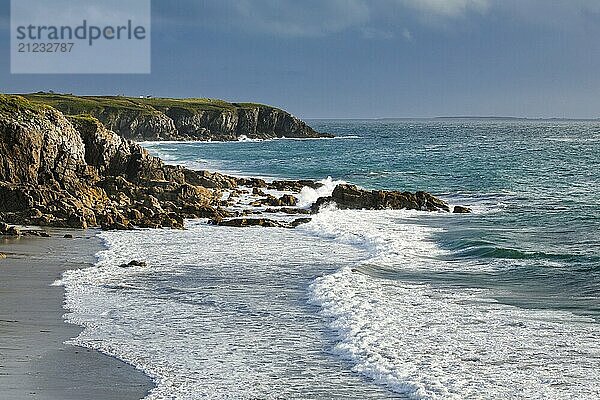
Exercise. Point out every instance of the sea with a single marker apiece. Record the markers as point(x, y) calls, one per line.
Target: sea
point(503, 303)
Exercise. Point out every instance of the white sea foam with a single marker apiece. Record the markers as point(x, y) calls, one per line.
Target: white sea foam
point(218, 313)
point(206, 320)
point(428, 342)
point(390, 237)
point(244, 138)
point(431, 343)
point(308, 196)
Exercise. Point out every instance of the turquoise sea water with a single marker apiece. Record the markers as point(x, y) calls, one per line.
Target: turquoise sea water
point(503, 303)
point(542, 178)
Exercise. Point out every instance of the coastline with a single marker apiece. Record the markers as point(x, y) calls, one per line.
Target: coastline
point(34, 361)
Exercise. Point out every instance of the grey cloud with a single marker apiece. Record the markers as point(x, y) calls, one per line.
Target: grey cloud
point(306, 18)
point(281, 17)
point(372, 18)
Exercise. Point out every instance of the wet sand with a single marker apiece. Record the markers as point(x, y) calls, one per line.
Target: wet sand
point(34, 361)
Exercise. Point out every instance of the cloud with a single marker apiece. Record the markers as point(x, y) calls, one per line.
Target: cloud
point(303, 18)
point(313, 18)
point(308, 18)
point(372, 19)
point(558, 14)
point(446, 8)
point(374, 33)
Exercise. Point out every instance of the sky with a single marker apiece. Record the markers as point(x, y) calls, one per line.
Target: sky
point(362, 58)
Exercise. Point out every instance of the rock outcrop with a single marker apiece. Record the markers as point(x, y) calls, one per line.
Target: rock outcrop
point(73, 172)
point(264, 222)
point(182, 119)
point(461, 210)
point(351, 197)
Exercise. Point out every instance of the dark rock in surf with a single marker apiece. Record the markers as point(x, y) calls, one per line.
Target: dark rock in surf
point(251, 182)
point(288, 200)
point(133, 263)
point(294, 186)
point(461, 210)
point(351, 197)
point(287, 210)
point(300, 221)
point(258, 192)
point(245, 222)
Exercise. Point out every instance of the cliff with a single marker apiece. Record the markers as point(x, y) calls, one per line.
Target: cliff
point(181, 119)
point(73, 172)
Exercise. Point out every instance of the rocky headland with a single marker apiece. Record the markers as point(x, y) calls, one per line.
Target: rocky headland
point(72, 171)
point(198, 119)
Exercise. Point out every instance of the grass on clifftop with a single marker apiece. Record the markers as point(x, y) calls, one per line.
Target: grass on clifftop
point(84, 119)
point(95, 105)
point(14, 104)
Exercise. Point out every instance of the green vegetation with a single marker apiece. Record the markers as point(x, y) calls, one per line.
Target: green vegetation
point(13, 104)
point(83, 120)
point(96, 105)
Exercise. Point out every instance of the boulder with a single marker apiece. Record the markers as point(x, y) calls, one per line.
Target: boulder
point(133, 263)
point(288, 200)
point(461, 210)
point(272, 201)
point(258, 192)
point(9, 230)
point(299, 221)
point(347, 196)
point(252, 182)
point(293, 186)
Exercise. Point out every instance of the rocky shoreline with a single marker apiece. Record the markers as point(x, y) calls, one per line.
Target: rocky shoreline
point(150, 118)
point(71, 171)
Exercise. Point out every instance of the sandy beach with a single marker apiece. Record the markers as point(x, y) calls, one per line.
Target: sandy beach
point(34, 361)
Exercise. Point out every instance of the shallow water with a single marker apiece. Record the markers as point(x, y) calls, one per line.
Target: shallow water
point(502, 303)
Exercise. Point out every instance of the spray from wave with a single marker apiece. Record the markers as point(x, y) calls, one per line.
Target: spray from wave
point(309, 195)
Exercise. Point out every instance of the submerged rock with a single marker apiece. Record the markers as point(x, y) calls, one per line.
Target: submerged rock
point(347, 196)
point(461, 210)
point(244, 222)
point(287, 210)
point(9, 230)
point(264, 222)
point(300, 221)
point(133, 263)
